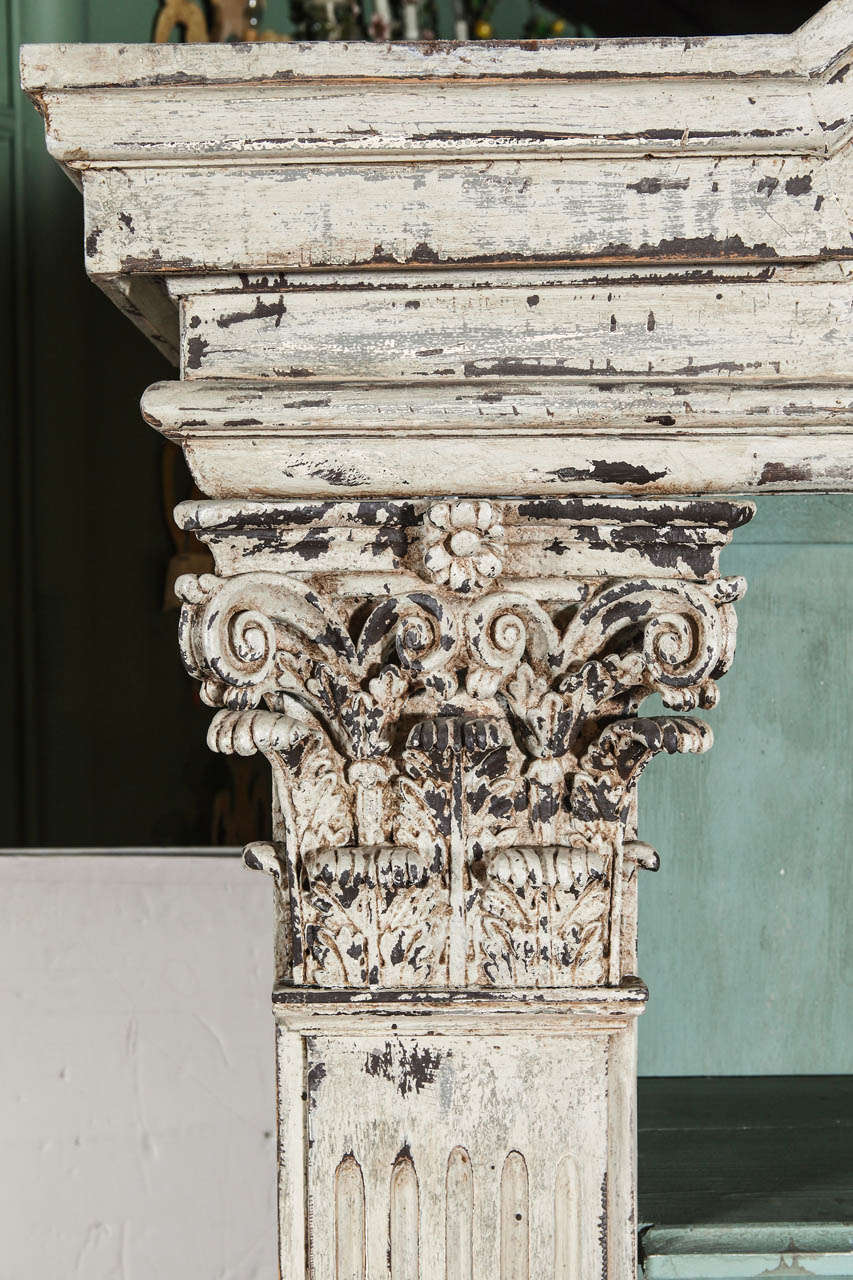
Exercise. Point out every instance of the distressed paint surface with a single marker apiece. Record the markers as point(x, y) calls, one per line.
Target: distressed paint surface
point(363, 155)
point(407, 1096)
point(464, 118)
point(466, 213)
point(412, 853)
point(268, 440)
point(666, 328)
point(745, 1253)
point(515, 1218)
point(460, 1216)
point(814, 52)
point(448, 683)
point(455, 755)
point(349, 1221)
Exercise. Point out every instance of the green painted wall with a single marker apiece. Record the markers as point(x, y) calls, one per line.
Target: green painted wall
point(744, 930)
point(88, 764)
point(744, 933)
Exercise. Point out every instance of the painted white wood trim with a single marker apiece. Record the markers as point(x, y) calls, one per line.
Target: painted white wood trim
point(268, 440)
point(384, 118)
point(805, 53)
point(448, 690)
point(752, 332)
point(465, 214)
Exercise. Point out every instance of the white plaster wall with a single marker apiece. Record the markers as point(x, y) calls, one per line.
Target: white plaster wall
point(136, 1070)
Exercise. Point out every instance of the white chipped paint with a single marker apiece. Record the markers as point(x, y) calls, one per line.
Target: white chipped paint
point(465, 212)
point(809, 52)
point(546, 436)
point(730, 333)
point(406, 1132)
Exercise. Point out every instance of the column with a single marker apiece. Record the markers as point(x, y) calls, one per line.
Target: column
point(449, 697)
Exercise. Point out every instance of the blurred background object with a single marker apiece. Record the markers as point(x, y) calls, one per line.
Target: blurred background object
point(220, 20)
point(468, 19)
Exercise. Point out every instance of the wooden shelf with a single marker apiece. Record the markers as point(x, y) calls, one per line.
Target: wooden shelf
point(746, 1176)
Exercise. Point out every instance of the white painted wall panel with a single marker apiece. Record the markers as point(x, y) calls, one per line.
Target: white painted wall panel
point(136, 1070)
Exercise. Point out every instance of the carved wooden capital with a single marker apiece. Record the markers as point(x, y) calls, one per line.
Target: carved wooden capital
point(449, 696)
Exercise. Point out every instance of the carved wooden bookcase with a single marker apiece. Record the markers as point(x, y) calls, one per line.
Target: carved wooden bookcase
point(474, 340)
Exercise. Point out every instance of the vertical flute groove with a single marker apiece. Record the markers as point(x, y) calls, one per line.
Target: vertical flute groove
point(350, 1239)
point(404, 1227)
point(567, 1221)
point(515, 1219)
point(460, 1216)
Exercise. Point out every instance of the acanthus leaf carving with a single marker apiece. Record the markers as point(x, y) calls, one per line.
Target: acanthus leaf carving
point(543, 916)
point(612, 764)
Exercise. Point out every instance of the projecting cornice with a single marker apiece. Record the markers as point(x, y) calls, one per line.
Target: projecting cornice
point(448, 156)
point(697, 96)
point(811, 52)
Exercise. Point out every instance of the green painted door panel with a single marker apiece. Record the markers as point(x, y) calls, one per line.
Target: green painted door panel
point(743, 1177)
point(110, 732)
point(46, 20)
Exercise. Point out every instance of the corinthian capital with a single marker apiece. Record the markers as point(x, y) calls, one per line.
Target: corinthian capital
point(455, 739)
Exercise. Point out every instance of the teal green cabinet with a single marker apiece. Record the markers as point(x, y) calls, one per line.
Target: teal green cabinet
point(749, 1252)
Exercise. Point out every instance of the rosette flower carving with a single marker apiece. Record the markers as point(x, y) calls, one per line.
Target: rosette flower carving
point(464, 544)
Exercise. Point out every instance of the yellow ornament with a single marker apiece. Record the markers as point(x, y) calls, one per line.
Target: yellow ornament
point(483, 30)
point(558, 26)
point(184, 14)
